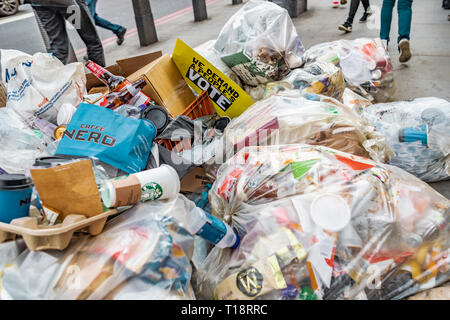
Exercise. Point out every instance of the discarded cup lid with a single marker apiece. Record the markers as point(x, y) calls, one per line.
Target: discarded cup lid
point(222, 123)
point(158, 116)
point(14, 181)
point(331, 212)
point(50, 161)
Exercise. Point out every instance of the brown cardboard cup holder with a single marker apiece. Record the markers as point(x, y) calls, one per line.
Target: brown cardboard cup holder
point(38, 237)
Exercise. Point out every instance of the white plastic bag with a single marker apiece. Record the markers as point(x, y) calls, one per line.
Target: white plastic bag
point(41, 84)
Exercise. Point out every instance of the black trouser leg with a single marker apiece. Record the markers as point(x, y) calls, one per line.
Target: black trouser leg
point(88, 33)
point(54, 24)
point(354, 5)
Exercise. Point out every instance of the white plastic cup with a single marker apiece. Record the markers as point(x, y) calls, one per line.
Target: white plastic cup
point(330, 212)
point(159, 183)
point(65, 114)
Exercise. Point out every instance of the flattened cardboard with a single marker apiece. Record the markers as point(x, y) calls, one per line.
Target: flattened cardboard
point(69, 188)
point(195, 180)
point(165, 85)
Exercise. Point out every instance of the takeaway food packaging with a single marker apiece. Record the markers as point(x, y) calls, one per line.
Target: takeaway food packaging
point(383, 234)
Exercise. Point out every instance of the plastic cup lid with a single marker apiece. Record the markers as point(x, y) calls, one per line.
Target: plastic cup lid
point(330, 212)
point(158, 116)
point(14, 181)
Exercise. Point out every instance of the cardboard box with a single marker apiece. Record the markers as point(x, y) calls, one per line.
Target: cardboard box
point(165, 85)
point(123, 68)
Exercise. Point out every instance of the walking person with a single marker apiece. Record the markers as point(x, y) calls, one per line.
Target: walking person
point(354, 5)
point(53, 19)
point(118, 30)
point(404, 9)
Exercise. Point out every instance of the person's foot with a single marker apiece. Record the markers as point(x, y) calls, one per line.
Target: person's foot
point(121, 36)
point(366, 15)
point(346, 26)
point(335, 4)
point(343, 2)
point(405, 51)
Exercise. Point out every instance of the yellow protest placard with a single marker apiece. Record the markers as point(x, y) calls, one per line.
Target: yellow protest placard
point(227, 97)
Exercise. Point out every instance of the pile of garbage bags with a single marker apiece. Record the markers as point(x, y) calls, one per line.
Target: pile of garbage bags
point(316, 223)
point(130, 182)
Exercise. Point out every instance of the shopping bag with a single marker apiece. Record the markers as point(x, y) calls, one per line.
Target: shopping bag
point(119, 141)
point(40, 84)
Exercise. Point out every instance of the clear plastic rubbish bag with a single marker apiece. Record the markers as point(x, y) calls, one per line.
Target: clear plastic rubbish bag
point(318, 77)
point(19, 144)
point(366, 65)
point(260, 43)
point(144, 253)
point(316, 223)
point(418, 131)
point(290, 117)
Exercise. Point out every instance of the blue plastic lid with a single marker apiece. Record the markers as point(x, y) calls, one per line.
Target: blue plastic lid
point(236, 244)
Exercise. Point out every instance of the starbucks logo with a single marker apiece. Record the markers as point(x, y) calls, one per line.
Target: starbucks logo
point(249, 282)
point(151, 191)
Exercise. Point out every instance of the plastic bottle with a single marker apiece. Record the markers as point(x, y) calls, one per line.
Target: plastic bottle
point(113, 82)
point(427, 229)
point(212, 229)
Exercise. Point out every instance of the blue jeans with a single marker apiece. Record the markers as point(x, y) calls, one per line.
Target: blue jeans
point(404, 19)
point(92, 4)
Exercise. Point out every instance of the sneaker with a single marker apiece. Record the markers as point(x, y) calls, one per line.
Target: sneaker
point(343, 2)
point(347, 27)
point(121, 36)
point(405, 51)
point(366, 15)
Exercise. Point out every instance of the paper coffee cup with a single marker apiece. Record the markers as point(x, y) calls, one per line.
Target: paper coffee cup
point(121, 192)
point(159, 183)
point(330, 212)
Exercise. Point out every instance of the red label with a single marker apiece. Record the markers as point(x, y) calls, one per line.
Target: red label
point(95, 69)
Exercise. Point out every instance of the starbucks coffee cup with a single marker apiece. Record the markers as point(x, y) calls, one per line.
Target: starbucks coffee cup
point(159, 183)
point(330, 212)
point(153, 184)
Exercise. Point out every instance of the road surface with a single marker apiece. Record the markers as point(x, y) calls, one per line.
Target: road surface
point(20, 31)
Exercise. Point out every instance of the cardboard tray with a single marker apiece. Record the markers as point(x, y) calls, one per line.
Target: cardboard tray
point(57, 237)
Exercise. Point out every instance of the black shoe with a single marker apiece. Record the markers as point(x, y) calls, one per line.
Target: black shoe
point(365, 16)
point(347, 27)
point(121, 36)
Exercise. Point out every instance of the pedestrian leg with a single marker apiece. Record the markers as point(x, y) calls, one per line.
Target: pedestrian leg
point(55, 26)
point(404, 19)
point(386, 19)
point(88, 34)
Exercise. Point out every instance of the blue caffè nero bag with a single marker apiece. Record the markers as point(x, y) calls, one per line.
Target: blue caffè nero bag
point(119, 141)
